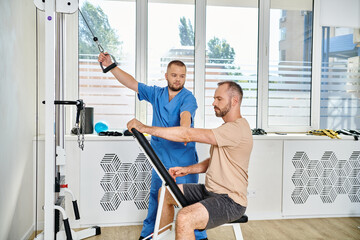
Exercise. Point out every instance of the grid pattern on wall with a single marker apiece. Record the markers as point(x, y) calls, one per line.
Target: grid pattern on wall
point(327, 177)
point(125, 182)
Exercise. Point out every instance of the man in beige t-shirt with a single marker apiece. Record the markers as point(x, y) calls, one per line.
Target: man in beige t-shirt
point(223, 197)
point(229, 160)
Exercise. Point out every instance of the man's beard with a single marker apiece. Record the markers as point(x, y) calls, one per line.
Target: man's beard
point(223, 111)
point(172, 87)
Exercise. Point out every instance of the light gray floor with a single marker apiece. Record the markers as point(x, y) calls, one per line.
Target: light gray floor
point(294, 229)
point(133, 233)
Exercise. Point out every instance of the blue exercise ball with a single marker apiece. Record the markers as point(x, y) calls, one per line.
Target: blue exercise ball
point(101, 126)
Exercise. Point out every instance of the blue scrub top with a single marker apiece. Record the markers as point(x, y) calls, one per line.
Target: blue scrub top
point(167, 114)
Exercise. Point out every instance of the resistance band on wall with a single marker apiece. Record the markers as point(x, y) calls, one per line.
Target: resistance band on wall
point(101, 49)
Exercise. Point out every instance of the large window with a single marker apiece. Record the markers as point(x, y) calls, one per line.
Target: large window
point(266, 46)
point(113, 23)
point(170, 37)
point(290, 63)
point(231, 54)
point(340, 78)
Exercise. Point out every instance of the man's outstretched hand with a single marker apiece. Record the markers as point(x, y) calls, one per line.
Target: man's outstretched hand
point(134, 123)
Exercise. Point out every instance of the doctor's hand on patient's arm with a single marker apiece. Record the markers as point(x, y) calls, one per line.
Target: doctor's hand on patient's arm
point(134, 123)
point(178, 172)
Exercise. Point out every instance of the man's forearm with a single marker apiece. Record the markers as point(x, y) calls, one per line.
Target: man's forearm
point(179, 134)
point(185, 119)
point(175, 134)
point(200, 167)
point(125, 79)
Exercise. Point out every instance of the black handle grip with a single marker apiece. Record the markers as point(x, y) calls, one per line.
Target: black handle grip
point(160, 167)
point(76, 210)
point(108, 68)
point(67, 229)
point(79, 107)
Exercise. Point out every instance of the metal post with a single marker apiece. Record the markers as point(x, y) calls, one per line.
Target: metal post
point(50, 23)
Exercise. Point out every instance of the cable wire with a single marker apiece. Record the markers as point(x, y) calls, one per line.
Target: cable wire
point(88, 25)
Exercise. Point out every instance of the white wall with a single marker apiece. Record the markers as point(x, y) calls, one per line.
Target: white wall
point(17, 117)
point(344, 13)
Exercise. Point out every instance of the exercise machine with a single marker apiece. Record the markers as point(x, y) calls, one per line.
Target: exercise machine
point(169, 183)
point(55, 187)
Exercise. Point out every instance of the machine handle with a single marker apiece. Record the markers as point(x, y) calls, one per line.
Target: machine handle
point(76, 210)
point(79, 107)
point(111, 66)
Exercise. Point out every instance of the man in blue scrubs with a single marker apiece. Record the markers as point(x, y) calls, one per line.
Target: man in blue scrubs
point(172, 106)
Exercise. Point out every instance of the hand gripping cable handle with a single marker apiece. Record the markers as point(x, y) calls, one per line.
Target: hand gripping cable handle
point(160, 167)
point(111, 66)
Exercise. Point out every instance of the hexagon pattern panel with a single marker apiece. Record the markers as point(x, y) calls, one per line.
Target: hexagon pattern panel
point(124, 181)
point(326, 178)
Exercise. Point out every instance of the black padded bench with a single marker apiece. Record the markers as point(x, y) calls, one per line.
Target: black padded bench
point(243, 219)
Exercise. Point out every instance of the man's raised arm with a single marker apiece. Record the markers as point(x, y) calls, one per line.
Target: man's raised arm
point(123, 77)
point(176, 134)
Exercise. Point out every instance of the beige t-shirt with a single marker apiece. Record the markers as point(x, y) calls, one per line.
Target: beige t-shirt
point(229, 161)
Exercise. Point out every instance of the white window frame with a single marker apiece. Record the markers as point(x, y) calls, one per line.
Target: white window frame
point(200, 61)
point(263, 72)
point(141, 55)
point(199, 75)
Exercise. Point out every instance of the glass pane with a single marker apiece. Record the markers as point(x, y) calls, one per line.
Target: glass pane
point(170, 37)
point(340, 79)
point(290, 57)
point(232, 41)
point(113, 23)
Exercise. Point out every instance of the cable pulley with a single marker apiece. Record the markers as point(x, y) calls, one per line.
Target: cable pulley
point(101, 49)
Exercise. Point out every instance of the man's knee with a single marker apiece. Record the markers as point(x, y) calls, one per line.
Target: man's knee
point(194, 216)
point(184, 217)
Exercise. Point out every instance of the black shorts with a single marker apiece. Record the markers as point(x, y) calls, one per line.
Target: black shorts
point(221, 208)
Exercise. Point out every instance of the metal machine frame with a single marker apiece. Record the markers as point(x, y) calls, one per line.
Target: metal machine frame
point(55, 157)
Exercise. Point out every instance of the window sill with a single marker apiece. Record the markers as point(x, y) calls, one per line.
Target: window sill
point(297, 136)
point(270, 136)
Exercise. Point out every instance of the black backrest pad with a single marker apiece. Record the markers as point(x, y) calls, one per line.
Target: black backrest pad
point(160, 167)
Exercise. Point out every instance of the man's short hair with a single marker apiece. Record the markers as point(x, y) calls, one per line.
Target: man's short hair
point(177, 63)
point(234, 88)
